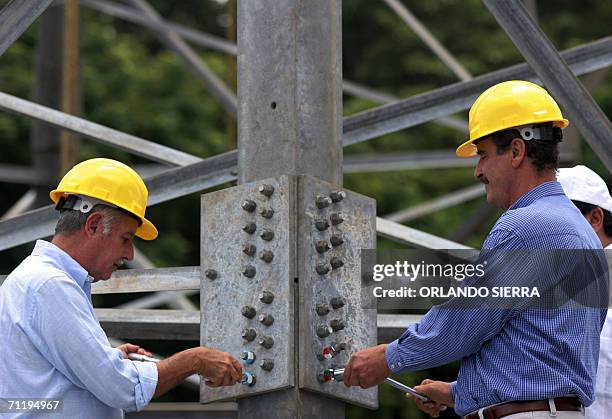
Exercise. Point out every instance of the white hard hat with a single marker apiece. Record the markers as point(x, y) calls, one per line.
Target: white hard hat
point(582, 184)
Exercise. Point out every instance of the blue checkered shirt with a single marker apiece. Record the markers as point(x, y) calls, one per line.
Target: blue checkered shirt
point(510, 355)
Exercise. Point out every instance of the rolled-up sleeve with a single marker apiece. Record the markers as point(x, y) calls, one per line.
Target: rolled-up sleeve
point(63, 328)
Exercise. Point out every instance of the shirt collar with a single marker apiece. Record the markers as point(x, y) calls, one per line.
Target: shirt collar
point(64, 261)
point(540, 191)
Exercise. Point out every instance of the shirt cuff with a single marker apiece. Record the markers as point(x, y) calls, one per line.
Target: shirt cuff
point(392, 355)
point(453, 389)
point(145, 389)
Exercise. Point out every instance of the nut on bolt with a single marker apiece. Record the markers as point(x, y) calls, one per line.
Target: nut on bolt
point(266, 256)
point(267, 365)
point(266, 319)
point(323, 201)
point(336, 263)
point(337, 302)
point(248, 379)
point(249, 249)
point(267, 212)
point(337, 325)
point(249, 334)
point(249, 271)
point(248, 205)
point(248, 357)
point(249, 228)
point(266, 190)
point(322, 309)
point(336, 218)
point(322, 246)
point(266, 297)
point(322, 269)
point(267, 235)
point(210, 274)
point(321, 224)
point(336, 240)
point(266, 341)
point(337, 196)
point(248, 312)
point(324, 331)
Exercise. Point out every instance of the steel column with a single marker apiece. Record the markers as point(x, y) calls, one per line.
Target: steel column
point(16, 17)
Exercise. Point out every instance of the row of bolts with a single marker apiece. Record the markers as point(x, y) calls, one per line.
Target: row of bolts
point(267, 297)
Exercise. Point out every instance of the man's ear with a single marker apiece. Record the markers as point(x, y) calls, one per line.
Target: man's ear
point(93, 224)
point(596, 218)
point(517, 152)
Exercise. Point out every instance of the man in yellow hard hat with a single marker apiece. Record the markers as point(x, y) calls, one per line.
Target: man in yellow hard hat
point(514, 361)
point(51, 344)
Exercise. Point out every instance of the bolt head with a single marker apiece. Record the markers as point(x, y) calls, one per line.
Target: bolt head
point(336, 263)
point(322, 309)
point(266, 297)
point(266, 319)
point(322, 246)
point(321, 224)
point(266, 341)
point(337, 302)
point(336, 218)
point(248, 312)
point(337, 196)
point(249, 249)
point(266, 190)
point(248, 205)
point(249, 271)
point(249, 228)
point(210, 274)
point(248, 379)
point(266, 256)
point(323, 331)
point(267, 365)
point(337, 325)
point(323, 201)
point(267, 212)
point(249, 334)
point(336, 240)
point(267, 235)
point(322, 269)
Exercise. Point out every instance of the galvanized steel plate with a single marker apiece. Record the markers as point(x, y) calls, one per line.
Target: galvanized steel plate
point(222, 298)
point(358, 231)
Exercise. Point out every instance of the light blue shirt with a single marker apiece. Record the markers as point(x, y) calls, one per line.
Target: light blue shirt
point(511, 355)
point(52, 345)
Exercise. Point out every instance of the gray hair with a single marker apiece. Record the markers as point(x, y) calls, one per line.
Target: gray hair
point(72, 220)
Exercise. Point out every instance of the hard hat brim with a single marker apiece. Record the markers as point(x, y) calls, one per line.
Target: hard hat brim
point(147, 230)
point(469, 149)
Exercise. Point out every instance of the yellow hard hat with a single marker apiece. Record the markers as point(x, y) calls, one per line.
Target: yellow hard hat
point(506, 105)
point(112, 182)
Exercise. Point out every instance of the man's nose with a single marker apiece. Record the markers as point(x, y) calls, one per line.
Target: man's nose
point(130, 254)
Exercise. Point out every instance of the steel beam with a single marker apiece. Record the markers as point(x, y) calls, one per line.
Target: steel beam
point(191, 60)
point(414, 238)
point(380, 162)
point(460, 96)
point(21, 205)
point(131, 15)
point(541, 55)
point(16, 17)
point(12, 173)
point(426, 208)
point(147, 280)
point(427, 37)
point(96, 132)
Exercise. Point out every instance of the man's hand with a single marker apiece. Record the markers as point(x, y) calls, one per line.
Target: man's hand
point(128, 348)
point(219, 368)
point(367, 368)
point(438, 391)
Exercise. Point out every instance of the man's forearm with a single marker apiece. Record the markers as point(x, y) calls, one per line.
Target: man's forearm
point(171, 371)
